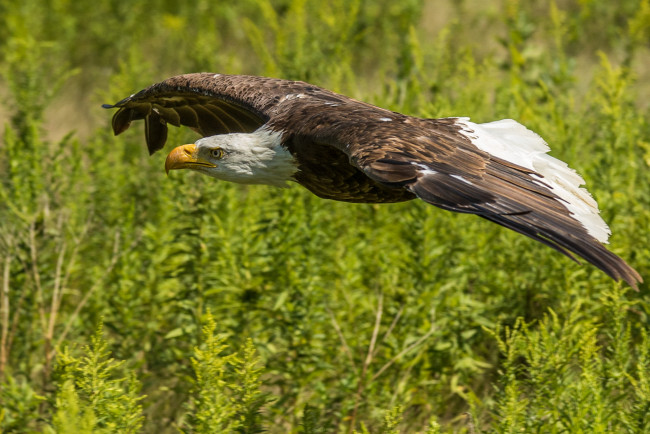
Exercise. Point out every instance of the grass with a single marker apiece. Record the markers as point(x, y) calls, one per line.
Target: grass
point(133, 302)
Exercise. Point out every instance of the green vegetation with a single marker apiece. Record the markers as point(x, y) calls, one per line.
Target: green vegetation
point(230, 308)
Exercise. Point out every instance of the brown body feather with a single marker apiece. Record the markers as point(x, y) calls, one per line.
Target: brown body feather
point(352, 151)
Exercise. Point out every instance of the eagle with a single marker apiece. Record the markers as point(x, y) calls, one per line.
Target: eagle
point(259, 130)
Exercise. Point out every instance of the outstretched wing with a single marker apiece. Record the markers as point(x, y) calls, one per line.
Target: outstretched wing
point(208, 103)
point(499, 171)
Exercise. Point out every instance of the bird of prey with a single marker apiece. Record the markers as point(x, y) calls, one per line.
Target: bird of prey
point(258, 130)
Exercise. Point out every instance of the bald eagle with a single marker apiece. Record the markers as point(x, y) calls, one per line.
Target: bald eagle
point(258, 130)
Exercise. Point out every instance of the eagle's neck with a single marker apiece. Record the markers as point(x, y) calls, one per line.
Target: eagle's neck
point(258, 158)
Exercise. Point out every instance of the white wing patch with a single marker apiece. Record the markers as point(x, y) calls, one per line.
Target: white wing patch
point(513, 142)
point(291, 96)
point(460, 178)
point(424, 169)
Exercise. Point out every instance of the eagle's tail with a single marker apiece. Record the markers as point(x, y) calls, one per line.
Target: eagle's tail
point(520, 153)
point(510, 141)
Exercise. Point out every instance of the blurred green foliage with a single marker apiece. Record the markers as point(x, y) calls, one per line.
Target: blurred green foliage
point(325, 316)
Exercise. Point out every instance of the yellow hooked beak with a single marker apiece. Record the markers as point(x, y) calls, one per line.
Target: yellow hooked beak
point(184, 157)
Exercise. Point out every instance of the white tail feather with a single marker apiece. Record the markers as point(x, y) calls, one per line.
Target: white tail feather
point(513, 142)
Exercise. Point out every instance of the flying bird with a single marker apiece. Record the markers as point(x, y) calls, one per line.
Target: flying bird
point(258, 130)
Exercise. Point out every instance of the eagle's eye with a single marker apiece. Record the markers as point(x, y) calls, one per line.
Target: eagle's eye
point(217, 153)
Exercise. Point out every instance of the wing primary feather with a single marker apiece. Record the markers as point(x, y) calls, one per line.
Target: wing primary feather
point(155, 132)
point(169, 114)
point(121, 120)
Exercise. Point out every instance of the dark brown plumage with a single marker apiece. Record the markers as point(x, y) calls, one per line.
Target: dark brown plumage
point(352, 151)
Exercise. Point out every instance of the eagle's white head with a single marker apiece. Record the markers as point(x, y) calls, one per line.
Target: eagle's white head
point(246, 158)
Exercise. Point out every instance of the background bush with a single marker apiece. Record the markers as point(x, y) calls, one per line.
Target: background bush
point(133, 302)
